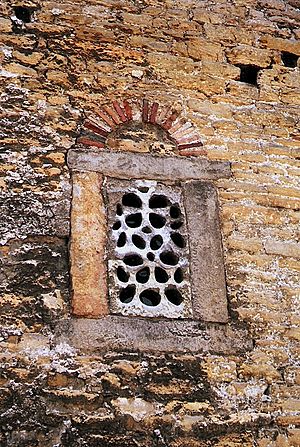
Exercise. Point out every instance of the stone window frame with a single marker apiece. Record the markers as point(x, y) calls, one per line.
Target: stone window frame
point(91, 326)
point(89, 225)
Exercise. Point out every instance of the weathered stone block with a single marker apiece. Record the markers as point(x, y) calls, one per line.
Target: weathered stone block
point(247, 55)
point(144, 335)
point(126, 165)
point(88, 241)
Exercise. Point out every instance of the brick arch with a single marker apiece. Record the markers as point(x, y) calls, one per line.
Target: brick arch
point(100, 123)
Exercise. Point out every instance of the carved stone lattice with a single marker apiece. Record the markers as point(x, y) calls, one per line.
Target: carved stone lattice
point(148, 250)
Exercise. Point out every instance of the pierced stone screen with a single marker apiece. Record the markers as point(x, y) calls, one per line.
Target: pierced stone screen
point(148, 259)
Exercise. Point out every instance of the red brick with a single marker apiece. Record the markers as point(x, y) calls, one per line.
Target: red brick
point(177, 126)
point(186, 127)
point(128, 110)
point(165, 111)
point(106, 119)
point(119, 111)
point(189, 138)
point(95, 128)
point(190, 145)
point(114, 116)
point(168, 123)
point(153, 112)
point(145, 111)
point(192, 152)
point(88, 142)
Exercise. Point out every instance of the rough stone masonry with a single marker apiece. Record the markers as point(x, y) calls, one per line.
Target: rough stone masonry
point(231, 68)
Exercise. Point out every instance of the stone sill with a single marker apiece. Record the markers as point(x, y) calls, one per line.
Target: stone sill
point(118, 333)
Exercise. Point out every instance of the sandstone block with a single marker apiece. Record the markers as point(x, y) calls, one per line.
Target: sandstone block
point(136, 407)
point(202, 49)
point(88, 236)
point(59, 77)
point(291, 249)
point(294, 436)
point(291, 404)
point(20, 70)
point(30, 59)
point(5, 25)
point(220, 369)
point(248, 55)
point(262, 371)
point(293, 334)
point(220, 69)
point(276, 43)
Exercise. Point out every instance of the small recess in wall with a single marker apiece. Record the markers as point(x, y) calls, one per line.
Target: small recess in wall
point(249, 74)
point(289, 59)
point(23, 13)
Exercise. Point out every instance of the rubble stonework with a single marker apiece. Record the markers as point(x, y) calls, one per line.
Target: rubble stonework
point(230, 70)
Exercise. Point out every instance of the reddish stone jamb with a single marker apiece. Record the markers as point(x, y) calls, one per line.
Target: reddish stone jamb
point(88, 242)
point(99, 124)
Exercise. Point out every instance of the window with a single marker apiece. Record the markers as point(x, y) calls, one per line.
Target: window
point(159, 240)
point(146, 253)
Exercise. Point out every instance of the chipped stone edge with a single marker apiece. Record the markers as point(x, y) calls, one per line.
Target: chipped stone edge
point(127, 165)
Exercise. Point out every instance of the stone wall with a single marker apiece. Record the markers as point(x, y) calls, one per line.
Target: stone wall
point(232, 68)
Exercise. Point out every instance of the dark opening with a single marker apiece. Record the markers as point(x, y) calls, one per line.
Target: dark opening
point(132, 200)
point(249, 74)
point(127, 294)
point(156, 242)
point(174, 296)
point(146, 230)
point(156, 220)
point(23, 13)
point(178, 275)
point(122, 240)
point(117, 225)
point(150, 297)
point(119, 209)
point(142, 275)
point(150, 256)
point(143, 189)
point(178, 240)
point(175, 211)
point(169, 258)
point(122, 275)
point(289, 59)
point(158, 201)
point(176, 224)
point(161, 275)
point(138, 241)
point(133, 260)
point(134, 220)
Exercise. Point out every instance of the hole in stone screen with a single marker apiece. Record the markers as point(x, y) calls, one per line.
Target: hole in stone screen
point(148, 258)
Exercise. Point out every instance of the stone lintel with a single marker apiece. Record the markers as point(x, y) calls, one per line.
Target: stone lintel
point(118, 333)
point(147, 166)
